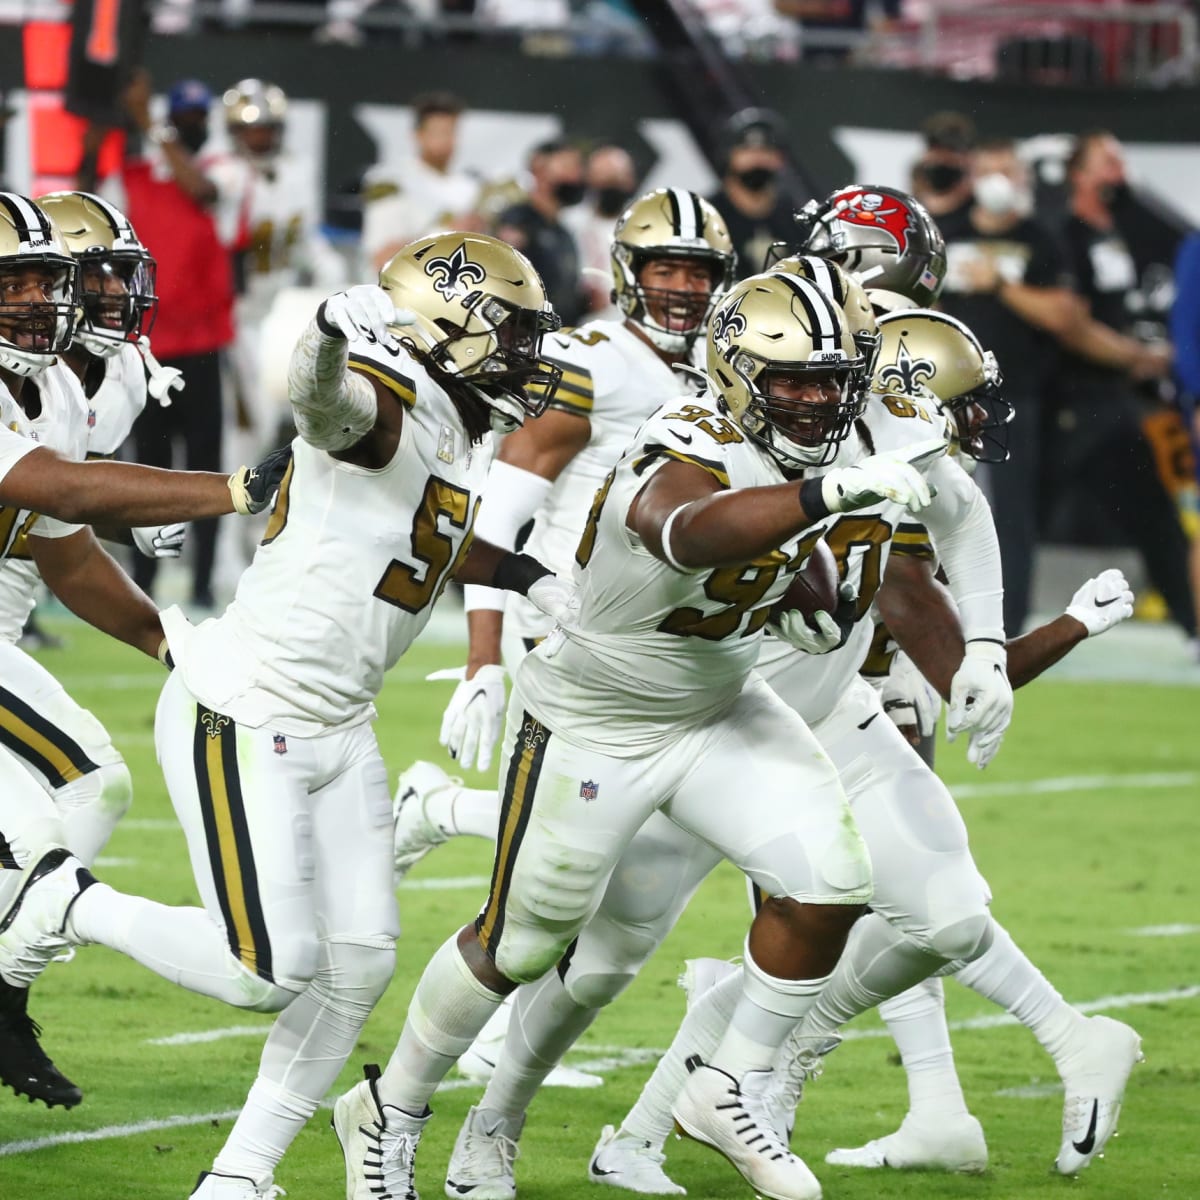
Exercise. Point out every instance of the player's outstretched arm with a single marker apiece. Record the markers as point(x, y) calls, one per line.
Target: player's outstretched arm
point(80, 572)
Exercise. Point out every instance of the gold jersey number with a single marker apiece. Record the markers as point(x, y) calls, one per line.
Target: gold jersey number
point(413, 588)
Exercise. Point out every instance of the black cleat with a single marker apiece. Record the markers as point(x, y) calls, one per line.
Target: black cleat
point(24, 1065)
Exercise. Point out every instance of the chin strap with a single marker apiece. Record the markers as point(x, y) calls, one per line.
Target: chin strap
point(160, 381)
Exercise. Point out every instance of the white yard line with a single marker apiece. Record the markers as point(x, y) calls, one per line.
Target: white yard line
point(1163, 930)
point(445, 884)
point(609, 1057)
point(1076, 783)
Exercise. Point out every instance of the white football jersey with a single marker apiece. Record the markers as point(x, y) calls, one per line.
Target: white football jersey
point(657, 650)
point(347, 572)
point(61, 424)
point(616, 380)
point(862, 542)
point(118, 402)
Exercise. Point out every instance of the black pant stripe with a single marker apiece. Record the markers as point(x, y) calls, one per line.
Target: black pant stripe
point(61, 759)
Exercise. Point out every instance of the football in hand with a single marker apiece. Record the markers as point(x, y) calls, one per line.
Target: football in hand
point(814, 588)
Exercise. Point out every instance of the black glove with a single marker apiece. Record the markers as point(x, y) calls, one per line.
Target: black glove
point(253, 488)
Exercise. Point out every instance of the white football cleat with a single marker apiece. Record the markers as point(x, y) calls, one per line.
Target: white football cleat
point(702, 974)
point(484, 1152)
point(714, 1110)
point(1095, 1078)
point(801, 1059)
point(213, 1186)
point(379, 1143)
point(944, 1144)
point(620, 1160)
point(416, 834)
point(32, 925)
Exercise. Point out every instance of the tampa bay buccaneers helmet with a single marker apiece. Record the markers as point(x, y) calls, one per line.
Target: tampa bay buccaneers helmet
point(669, 223)
point(881, 236)
point(37, 288)
point(847, 293)
point(780, 327)
point(116, 271)
point(254, 116)
point(481, 312)
point(929, 352)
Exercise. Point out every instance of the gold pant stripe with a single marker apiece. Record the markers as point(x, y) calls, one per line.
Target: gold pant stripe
point(33, 738)
point(519, 789)
point(230, 854)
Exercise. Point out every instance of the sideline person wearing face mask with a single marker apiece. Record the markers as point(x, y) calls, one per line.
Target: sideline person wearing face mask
point(535, 226)
point(941, 177)
point(611, 183)
point(756, 213)
point(1006, 279)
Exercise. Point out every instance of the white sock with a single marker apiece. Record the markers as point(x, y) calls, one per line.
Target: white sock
point(91, 806)
point(650, 1120)
point(916, 1019)
point(767, 1011)
point(305, 1051)
point(879, 962)
point(545, 1023)
point(474, 812)
point(181, 944)
point(1005, 976)
point(448, 1009)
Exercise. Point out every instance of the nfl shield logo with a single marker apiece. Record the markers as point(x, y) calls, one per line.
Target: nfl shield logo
point(280, 743)
point(91, 418)
point(588, 790)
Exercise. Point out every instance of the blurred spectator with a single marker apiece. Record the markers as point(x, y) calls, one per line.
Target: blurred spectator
point(851, 19)
point(422, 193)
point(611, 180)
point(1006, 278)
point(941, 177)
point(755, 211)
point(1104, 453)
point(536, 227)
point(1185, 333)
point(175, 205)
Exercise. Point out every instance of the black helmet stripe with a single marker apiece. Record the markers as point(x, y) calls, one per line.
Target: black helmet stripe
point(32, 224)
point(699, 213)
point(818, 308)
point(118, 222)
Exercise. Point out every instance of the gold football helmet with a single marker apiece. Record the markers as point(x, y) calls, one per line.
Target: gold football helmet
point(847, 293)
point(255, 105)
point(481, 312)
point(116, 271)
point(37, 288)
point(926, 352)
point(777, 334)
point(669, 223)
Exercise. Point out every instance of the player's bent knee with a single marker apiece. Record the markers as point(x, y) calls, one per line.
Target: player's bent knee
point(965, 939)
point(359, 967)
point(116, 790)
point(595, 990)
point(261, 995)
point(527, 953)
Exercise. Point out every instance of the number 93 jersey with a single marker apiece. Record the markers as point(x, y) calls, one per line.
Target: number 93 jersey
point(347, 573)
point(657, 650)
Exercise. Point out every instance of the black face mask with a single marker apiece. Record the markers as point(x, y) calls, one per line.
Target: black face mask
point(193, 137)
point(611, 201)
point(568, 193)
point(943, 177)
point(757, 179)
point(1111, 194)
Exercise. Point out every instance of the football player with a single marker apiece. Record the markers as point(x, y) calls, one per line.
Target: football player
point(664, 865)
point(646, 705)
point(43, 441)
point(671, 259)
point(264, 728)
point(880, 774)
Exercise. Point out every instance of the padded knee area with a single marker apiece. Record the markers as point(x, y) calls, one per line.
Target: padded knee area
point(596, 990)
point(116, 790)
point(965, 939)
point(356, 969)
point(528, 951)
point(260, 995)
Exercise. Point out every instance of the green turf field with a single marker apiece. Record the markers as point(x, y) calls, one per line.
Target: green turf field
point(1085, 825)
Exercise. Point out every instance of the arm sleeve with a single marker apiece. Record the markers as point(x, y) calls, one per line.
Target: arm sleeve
point(964, 535)
point(511, 497)
point(334, 408)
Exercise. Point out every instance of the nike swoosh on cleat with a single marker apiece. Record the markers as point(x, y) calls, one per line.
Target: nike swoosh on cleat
point(595, 1170)
point(1089, 1141)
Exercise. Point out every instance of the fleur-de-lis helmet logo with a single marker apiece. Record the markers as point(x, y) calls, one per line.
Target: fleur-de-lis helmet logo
point(728, 322)
point(907, 374)
point(454, 274)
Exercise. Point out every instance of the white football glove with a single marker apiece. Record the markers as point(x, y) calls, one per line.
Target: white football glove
point(895, 476)
point(1102, 603)
point(366, 312)
point(823, 631)
point(475, 715)
point(981, 701)
point(160, 541)
point(909, 698)
point(558, 598)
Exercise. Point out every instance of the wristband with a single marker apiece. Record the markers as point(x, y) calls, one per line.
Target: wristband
point(330, 331)
point(164, 655)
point(812, 500)
point(518, 573)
